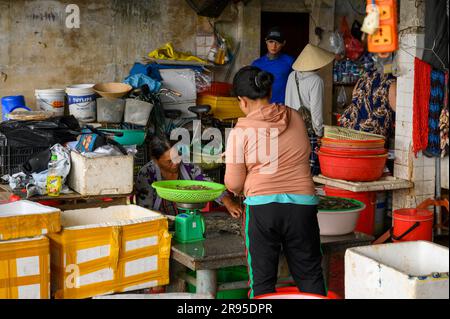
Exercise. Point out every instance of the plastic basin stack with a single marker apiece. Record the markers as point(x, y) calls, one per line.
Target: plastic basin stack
point(352, 155)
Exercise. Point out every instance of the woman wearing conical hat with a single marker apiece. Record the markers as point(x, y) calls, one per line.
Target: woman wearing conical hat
point(305, 93)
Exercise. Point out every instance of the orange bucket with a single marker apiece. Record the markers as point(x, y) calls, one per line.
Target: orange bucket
point(412, 225)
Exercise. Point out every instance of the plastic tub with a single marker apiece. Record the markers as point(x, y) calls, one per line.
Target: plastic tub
point(355, 169)
point(137, 112)
point(294, 293)
point(82, 102)
point(339, 222)
point(110, 110)
point(366, 219)
point(412, 225)
point(352, 152)
point(51, 100)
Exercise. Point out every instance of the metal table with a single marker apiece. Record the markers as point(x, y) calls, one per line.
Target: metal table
point(226, 250)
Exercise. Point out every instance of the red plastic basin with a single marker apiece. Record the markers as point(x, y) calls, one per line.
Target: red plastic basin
point(352, 152)
point(294, 293)
point(358, 144)
point(354, 169)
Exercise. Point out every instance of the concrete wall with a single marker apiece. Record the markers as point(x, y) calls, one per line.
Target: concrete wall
point(38, 51)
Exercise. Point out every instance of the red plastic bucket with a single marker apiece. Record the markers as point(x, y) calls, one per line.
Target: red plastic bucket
point(366, 221)
point(294, 293)
point(412, 225)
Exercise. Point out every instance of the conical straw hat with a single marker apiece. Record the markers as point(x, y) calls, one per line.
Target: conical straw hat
point(312, 58)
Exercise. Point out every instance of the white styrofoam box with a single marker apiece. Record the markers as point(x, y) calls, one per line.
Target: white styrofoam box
point(444, 173)
point(25, 218)
point(118, 215)
point(25, 266)
point(407, 270)
point(106, 175)
point(180, 80)
point(183, 107)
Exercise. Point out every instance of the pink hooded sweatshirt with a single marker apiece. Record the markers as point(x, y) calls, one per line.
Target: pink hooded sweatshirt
point(268, 153)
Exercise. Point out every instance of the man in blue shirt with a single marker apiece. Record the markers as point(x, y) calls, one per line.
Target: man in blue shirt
point(277, 63)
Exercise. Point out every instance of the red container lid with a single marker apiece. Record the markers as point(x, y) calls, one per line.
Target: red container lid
point(413, 214)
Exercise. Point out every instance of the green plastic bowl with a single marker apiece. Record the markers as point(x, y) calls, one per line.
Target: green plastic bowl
point(168, 190)
point(130, 137)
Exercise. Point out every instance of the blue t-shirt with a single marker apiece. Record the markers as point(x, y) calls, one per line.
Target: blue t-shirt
point(280, 67)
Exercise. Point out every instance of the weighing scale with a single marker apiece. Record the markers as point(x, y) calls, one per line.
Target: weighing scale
point(189, 225)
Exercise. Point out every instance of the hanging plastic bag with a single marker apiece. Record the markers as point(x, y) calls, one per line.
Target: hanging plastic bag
point(353, 47)
point(337, 43)
point(342, 97)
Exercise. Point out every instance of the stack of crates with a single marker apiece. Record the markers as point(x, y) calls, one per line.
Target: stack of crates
point(24, 250)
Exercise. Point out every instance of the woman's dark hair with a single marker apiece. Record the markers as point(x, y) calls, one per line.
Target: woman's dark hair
point(253, 83)
point(159, 145)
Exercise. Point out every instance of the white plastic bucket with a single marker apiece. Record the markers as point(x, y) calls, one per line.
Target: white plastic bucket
point(51, 100)
point(82, 102)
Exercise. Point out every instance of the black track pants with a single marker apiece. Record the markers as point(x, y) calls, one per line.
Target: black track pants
point(295, 228)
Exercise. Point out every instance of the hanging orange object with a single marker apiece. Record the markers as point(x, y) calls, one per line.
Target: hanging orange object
point(385, 39)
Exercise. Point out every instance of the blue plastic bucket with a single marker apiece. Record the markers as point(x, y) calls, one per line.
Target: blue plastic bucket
point(11, 103)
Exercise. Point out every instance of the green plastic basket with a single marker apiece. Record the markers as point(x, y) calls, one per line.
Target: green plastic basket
point(168, 191)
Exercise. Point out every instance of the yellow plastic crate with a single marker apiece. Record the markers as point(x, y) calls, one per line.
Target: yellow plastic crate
point(107, 250)
point(27, 219)
point(222, 107)
point(25, 268)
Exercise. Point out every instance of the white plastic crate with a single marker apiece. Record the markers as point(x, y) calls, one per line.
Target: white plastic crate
point(408, 270)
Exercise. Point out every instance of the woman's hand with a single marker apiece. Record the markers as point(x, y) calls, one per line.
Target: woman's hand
point(233, 208)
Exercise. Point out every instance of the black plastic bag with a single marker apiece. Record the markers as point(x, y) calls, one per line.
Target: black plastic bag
point(37, 162)
point(57, 130)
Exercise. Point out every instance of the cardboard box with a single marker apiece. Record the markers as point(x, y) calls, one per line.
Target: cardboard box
point(27, 219)
point(106, 250)
point(105, 175)
point(25, 268)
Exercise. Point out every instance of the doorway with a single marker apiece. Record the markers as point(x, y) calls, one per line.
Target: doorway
point(295, 27)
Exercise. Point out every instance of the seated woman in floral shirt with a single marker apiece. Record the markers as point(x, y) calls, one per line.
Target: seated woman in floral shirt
point(162, 167)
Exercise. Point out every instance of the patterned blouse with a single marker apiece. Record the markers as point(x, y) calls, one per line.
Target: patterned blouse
point(146, 195)
point(370, 110)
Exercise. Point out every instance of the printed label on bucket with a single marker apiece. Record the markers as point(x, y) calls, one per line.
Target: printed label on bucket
point(81, 99)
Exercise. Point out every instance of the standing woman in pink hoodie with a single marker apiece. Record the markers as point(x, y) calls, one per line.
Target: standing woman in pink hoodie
point(267, 159)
